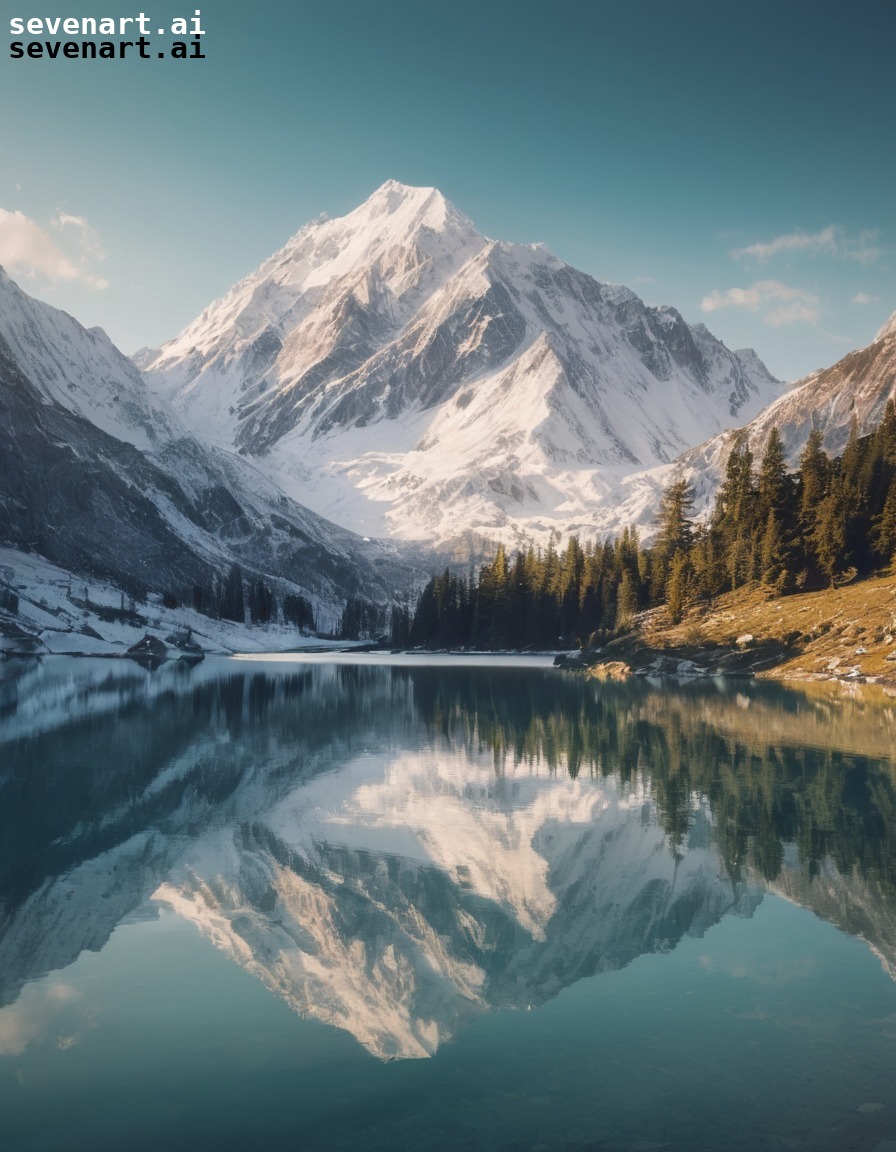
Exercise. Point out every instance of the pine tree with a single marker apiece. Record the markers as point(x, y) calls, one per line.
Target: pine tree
point(679, 587)
point(814, 477)
point(626, 602)
point(851, 460)
point(425, 624)
point(733, 519)
point(645, 576)
point(675, 527)
point(709, 576)
point(886, 433)
point(493, 626)
point(772, 563)
point(298, 611)
point(262, 605)
point(773, 485)
point(856, 468)
point(815, 467)
point(590, 607)
point(674, 534)
point(829, 536)
point(399, 625)
point(232, 601)
point(885, 529)
point(571, 570)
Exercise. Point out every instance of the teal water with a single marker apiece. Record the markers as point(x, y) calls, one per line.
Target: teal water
point(398, 907)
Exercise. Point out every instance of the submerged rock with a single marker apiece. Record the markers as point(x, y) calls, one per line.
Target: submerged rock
point(150, 652)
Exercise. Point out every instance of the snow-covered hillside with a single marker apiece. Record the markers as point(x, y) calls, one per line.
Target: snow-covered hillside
point(81, 370)
point(103, 479)
point(405, 376)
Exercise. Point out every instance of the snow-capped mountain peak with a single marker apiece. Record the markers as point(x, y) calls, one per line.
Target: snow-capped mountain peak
point(326, 250)
point(383, 259)
point(407, 376)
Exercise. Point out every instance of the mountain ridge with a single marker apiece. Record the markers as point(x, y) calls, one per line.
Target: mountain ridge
point(858, 385)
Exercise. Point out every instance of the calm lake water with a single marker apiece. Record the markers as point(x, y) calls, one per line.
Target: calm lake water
point(366, 905)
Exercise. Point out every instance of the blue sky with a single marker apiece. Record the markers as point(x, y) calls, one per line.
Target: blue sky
point(735, 160)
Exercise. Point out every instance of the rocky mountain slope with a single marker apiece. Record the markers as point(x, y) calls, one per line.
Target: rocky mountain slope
point(858, 385)
point(404, 375)
point(102, 478)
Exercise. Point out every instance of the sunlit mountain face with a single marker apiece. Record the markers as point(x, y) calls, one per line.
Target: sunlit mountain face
point(398, 850)
point(408, 377)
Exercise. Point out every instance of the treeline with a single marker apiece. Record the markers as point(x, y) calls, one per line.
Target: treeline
point(254, 601)
point(244, 600)
point(787, 531)
point(251, 599)
point(362, 620)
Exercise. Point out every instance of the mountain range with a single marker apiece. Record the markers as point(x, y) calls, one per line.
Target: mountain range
point(388, 390)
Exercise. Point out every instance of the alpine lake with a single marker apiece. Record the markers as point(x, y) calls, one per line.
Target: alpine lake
point(408, 903)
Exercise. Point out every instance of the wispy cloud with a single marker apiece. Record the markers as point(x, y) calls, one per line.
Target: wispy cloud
point(829, 241)
point(864, 298)
point(28, 249)
point(780, 304)
point(33, 1015)
point(88, 236)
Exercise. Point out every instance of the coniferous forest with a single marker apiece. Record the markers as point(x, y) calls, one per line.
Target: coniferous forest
point(831, 519)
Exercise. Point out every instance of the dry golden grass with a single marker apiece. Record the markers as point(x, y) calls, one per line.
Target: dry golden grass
point(841, 633)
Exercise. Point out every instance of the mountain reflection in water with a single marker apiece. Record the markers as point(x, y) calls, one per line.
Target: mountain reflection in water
point(395, 850)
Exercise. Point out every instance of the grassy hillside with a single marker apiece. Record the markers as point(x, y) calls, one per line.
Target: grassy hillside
point(846, 633)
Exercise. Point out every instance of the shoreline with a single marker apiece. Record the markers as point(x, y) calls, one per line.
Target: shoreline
point(844, 635)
